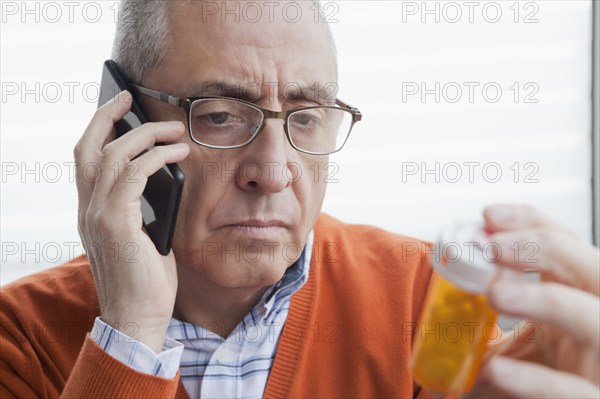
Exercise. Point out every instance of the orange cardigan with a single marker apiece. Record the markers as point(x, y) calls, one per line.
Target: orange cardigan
point(348, 331)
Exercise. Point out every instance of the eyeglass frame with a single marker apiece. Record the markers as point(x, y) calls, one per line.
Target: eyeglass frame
point(186, 104)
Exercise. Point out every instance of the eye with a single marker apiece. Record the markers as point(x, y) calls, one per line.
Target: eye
point(218, 117)
point(304, 119)
point(301, 119)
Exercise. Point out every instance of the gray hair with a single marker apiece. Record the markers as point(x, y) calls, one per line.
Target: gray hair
point(142, 36)
point(141, 40)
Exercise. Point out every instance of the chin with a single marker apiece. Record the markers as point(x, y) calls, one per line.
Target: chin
point(247, 274)
point(237, 265)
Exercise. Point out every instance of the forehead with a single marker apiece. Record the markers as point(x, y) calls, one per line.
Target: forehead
point(270, 44)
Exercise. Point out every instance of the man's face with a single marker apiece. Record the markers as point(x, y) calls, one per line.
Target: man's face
point(228, 193)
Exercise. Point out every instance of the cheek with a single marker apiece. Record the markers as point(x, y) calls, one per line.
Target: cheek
point(310, 190)
point(316, 193)
point(198, 201)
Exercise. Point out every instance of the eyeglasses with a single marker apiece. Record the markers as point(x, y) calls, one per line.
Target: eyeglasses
point(224, 122)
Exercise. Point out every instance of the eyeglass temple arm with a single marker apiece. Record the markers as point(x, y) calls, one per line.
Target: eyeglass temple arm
point(355, 112)
point(158, 95)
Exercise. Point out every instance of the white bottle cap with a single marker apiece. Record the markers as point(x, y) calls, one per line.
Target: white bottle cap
point(459, 257)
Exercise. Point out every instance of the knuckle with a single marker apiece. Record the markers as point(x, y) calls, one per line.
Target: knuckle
point(530, 209)
point(104, 220)
point(527, 213)
point(102, 112)
point(149, 131)
point(546, 238)
point(108, 149)
point(95, 218)
point(77, 150)
point(161, 150)
point(130, 173)
point(133, 165)
point(132, 168)
point(535, 236)
point(552, 295)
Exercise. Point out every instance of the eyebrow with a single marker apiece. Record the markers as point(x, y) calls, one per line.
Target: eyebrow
point(221, 88)
point(318, 95)
point(253, 92)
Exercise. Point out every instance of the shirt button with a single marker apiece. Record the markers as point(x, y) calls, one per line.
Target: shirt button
point(222, 355)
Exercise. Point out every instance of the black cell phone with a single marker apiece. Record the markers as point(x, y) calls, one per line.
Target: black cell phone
point(162, 194)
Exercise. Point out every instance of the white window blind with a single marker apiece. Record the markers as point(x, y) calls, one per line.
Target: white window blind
point(436, 132)
point(465, 104)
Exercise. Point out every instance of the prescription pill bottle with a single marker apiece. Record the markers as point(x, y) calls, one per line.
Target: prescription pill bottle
point(456, 322)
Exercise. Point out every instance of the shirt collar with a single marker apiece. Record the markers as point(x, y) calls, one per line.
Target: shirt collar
point(295, 276)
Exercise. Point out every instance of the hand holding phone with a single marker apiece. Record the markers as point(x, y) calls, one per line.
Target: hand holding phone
point(136, 285)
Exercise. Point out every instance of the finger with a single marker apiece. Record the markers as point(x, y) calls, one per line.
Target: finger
point(503, 217)
point(560, 257)
point(521, 379)
point(130, 189)
point(117, 154)
point(519, 342)
point(568, 309)
point(87, 151)
point(87, 154)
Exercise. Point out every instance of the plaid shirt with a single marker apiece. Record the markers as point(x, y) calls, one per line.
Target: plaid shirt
point(212, 366)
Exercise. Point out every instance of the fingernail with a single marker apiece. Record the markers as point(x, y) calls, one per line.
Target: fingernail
point(123, 97)
point(502, 213)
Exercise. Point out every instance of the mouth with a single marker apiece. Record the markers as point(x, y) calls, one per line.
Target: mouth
point(257, 229)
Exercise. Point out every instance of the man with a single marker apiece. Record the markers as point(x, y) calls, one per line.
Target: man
point(261, 294)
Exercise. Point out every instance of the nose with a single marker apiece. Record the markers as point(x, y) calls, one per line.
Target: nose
point(264, 162)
